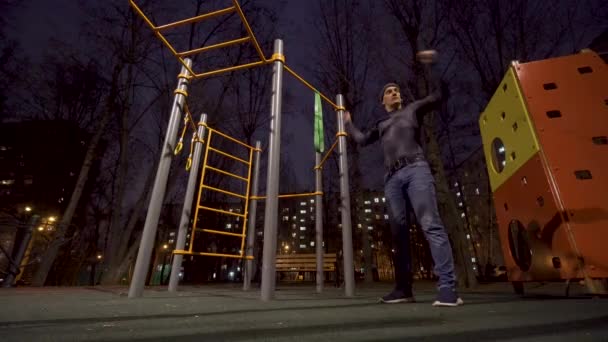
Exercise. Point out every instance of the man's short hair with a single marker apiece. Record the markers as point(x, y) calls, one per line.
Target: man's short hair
point(390, 84)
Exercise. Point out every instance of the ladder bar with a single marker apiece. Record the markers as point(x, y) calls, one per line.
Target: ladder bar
point(227, 173)
point(195, 19)
point(213, 231)
point(221, 211)
point(211, 47)
point(223, 191)
point(229, 155)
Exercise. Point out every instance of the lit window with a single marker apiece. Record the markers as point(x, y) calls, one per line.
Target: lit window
point(312, 201)
point(172, 234)
point(285, 218)
point(358, 225)
point(302, 220)
point(377, 217)
point(370, 228)
point(458, 194)
point(302, 246)
point(303, 228)
point(368, 210)
point(293, 235)
point(456, 184)
point(376, 200)
point(171, 241)
point(367, 202)
point(468, 236)
point(8, 181)
point(383, 199)
point(477, 191)
point(302, 203)
point(312, 243)
point(462, 215)
point(228, 225)
point(301, 212)
point(460, 204)
point(473, 259)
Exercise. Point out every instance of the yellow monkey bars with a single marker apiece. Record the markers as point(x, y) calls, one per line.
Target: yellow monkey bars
point(249, 38)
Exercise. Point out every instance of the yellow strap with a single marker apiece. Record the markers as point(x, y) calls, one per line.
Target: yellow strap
point(340, 108)
point(184, 76)
point(257, 150)
point(182, 92)
point(277, 57)
point(341, 134)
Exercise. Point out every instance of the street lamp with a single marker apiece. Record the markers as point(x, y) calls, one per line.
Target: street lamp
point(28, 208)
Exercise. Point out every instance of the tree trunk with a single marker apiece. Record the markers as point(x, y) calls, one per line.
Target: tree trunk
point(447, 206)
point(52, 251)
point(114, 269)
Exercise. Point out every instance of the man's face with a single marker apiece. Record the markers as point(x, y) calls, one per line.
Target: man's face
point(392, 97)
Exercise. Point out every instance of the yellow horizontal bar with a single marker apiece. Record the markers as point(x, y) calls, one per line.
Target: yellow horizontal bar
point(212, 231)
point(236, 256)
point(333, 146)
point(290, 195)
point(227, 173)
point(229, 137)
point(160, 36)
point(249, 30)
point(221, 211)
point(336, 107)
point(229, 155)
point(195, 19)
point(211, 47)
point(221, 71)
point(223, 191)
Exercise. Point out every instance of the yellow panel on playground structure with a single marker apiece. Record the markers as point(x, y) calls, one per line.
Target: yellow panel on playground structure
point(509, 139)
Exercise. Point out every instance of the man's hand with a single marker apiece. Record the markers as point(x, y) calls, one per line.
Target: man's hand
point(427, 56)
point(346, 116)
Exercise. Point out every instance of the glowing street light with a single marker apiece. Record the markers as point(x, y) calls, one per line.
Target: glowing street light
point(165, 246)
point(28, 208)
point(99, 256)
point(52, 219)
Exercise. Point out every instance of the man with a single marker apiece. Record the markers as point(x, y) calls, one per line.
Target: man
point(408, 183)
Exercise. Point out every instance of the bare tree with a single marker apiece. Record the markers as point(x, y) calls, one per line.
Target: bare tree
point(343, 63)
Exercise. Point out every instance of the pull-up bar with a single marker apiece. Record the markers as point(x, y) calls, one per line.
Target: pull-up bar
point(249, 38)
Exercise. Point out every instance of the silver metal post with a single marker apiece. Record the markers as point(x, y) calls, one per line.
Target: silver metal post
point(272, 179)
point(184, 221)
point(347, 233)
point(140, 272)
point(253, 206)
point(319, 223)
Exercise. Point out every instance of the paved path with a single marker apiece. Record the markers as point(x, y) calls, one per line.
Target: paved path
point(225, 313)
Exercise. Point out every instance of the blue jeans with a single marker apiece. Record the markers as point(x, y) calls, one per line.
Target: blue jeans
point(414, 185)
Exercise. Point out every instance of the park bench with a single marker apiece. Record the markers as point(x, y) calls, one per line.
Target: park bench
point(306, 263)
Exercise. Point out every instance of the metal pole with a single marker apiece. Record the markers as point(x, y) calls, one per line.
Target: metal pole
point(319, 223)
point(252, 217)
point(272, 178)
point(347, 233)
point(17, 258)
point(187, 209)
point(148, 236)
